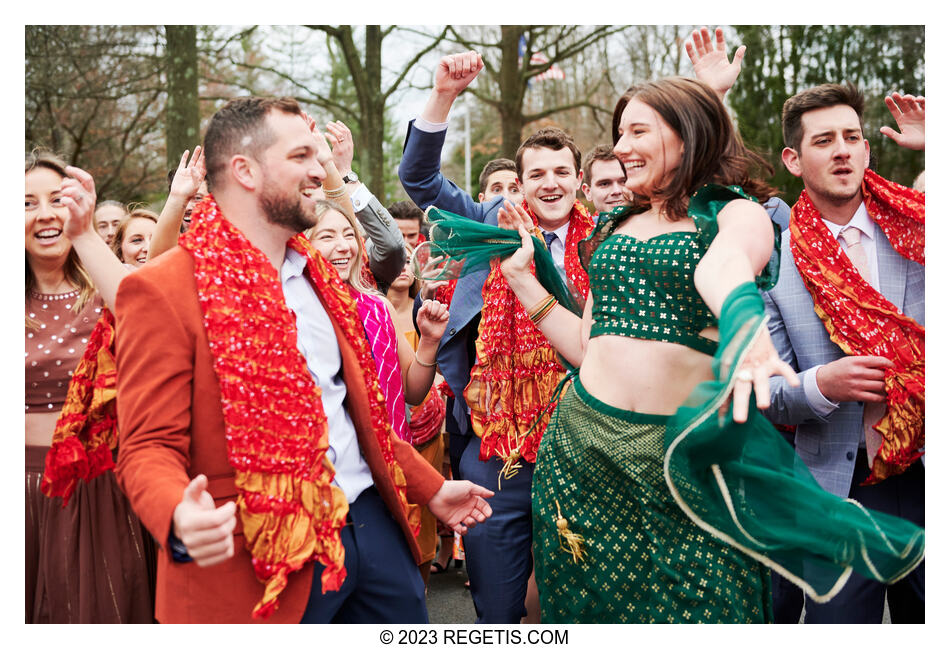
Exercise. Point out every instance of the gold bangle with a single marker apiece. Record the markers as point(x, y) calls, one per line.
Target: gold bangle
point(335, 192)
point(538, 317)
point(537, 307)
point(432, 364)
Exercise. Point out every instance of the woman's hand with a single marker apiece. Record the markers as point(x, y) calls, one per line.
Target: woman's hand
point(760, 363)
point(79, 196)
point(432, 318)
point(342, 138)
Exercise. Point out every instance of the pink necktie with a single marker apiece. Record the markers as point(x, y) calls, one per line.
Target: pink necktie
point(872, 411)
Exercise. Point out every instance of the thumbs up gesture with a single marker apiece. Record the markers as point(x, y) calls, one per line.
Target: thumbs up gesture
point(205, 530)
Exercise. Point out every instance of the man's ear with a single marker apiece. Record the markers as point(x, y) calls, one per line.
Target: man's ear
point(586, 189)
point(244, 171)
point(791, 161)
point(867, 154)
point(481, 197)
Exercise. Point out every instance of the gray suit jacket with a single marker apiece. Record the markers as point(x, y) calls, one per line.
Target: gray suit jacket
point(828, 445)
point(384, 246)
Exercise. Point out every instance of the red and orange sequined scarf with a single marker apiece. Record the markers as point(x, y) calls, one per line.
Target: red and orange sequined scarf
point(861, 321)
point(275, 425)
point(516, 370)
point(85, 434)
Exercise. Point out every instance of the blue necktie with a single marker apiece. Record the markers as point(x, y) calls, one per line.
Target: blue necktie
point(549, 238)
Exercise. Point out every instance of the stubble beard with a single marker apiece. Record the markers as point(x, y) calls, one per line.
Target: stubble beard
point(285, 210)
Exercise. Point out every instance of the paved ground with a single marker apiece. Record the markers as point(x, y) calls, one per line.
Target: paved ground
point(449, 601)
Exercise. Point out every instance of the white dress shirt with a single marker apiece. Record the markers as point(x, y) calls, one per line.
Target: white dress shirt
point(862, 221)
point(317, 342)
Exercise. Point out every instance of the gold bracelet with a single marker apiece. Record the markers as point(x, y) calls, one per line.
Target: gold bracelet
point(538, 317)
point(432, 364)
point(335, 192)
point(537, 307)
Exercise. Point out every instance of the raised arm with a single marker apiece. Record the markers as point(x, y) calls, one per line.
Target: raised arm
point(711, 63)
point(104, 268)
point(185, 185)
point(453, 75)
point(385, 247)
point(739, 252)
point(908, 112)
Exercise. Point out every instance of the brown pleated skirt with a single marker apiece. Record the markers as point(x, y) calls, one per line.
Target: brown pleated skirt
point(88, 562)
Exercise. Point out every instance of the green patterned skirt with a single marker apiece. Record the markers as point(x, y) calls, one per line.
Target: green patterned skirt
point(645, 561)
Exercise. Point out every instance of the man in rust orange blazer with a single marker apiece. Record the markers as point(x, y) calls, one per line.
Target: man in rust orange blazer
point(250, 441)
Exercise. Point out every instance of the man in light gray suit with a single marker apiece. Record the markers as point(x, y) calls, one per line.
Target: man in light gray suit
point(825, 147)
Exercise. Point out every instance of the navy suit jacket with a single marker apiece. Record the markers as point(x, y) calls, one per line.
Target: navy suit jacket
point(828, 445)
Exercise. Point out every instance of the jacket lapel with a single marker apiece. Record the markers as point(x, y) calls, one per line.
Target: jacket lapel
point(891, 270)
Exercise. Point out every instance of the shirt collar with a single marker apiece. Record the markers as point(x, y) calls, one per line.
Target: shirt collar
point(293, 266)
point(860, 220)
point(561, 232)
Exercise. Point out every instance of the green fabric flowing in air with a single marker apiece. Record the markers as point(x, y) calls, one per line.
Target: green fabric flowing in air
point(746, 485)
point(467, 246)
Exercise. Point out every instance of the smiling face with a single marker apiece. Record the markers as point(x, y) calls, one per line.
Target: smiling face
point(549, 182)
point(503, 182)
point(335, 239)
point(190, 205)
point(648, 148)
point(410, 229)
point(45, 214)
point(833, 156)
point(606, 186)
point(291, 174)
point(136, 240)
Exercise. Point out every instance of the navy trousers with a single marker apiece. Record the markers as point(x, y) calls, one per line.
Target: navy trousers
point(383, 584)
point(862, 600)
point(498, 551)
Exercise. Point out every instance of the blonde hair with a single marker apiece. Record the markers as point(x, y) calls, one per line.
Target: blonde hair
point(138, 213)
point(355, 277)
point(72, 268)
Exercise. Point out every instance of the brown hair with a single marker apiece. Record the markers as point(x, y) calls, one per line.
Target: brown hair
point(600, 152)
point(355, 278)
point(548, 138)
point(406, 211)
point(72, 268)
point(138, 213)
point(713, 151)
point(498, 164)
point(240, 127)
point(823, 96)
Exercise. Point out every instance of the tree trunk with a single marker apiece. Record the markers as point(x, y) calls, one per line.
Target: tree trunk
point(183, 123)
point(511, 101)
point(374, 122)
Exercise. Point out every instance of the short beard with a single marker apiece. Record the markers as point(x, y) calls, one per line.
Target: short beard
point(285, 211)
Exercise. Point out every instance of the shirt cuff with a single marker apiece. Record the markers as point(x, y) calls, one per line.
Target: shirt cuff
point(178, 549)
point(430, 127)
point(360, 197)
point(819, 404)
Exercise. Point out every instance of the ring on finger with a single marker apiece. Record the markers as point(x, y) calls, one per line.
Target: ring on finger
point(744, 375)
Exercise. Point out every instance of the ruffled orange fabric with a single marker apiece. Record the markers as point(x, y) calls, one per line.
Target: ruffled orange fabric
point(516, 370)
point(85, 434)
point(863, 322)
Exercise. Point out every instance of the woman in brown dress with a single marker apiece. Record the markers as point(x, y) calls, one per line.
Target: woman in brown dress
point(87, 560)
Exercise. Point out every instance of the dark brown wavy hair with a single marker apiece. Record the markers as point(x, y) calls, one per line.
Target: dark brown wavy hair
point(713, 151)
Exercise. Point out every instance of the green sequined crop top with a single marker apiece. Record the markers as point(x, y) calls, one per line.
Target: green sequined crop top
point(645, 289)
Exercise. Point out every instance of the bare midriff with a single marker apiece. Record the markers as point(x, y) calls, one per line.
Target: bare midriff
point(645, 376)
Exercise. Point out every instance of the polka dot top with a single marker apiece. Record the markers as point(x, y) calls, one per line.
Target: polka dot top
point(53, 351)
point(645, 289)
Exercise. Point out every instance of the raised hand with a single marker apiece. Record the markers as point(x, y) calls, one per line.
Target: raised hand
point(511, 215)
point(711, 64)
point(206, 531)
point(908, 112)
point(760, 363)
point(432, 318)
point(189, 175)
point(79, 197)
point(461, 505)
point(339, 134)
point(456, 71)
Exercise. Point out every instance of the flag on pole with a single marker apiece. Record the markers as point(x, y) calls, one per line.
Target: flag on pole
point(538, 58)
